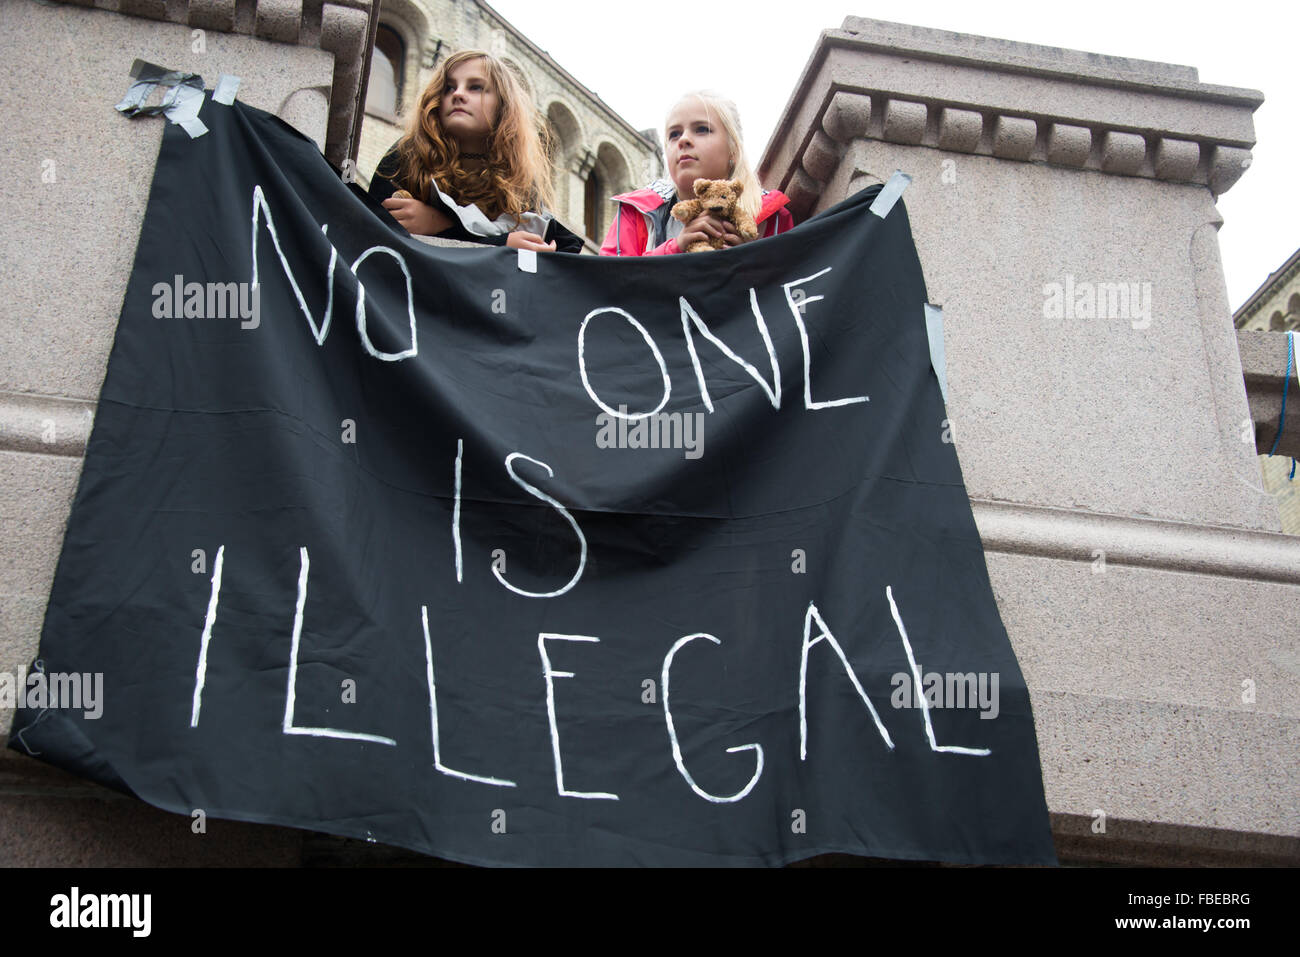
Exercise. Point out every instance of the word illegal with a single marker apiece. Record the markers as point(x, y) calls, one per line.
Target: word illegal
point(815, 631)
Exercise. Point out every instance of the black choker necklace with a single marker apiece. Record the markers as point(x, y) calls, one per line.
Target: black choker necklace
point(474, 156)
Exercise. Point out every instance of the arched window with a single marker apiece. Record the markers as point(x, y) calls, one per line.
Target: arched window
point(384, 94)
point(519, 74)
point(565, 138)
point(609, 176)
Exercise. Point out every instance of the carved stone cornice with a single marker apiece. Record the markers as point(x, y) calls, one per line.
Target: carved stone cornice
point(1013, 101)
point(345, 28)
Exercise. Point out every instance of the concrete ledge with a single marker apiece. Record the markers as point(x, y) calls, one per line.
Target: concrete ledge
point(1127, 108)
point(1142, 844)
point(1174, 546)
point(33, 514)
point(1170, 765)
point(1263, 363)
point(1161, 697)
point(49, 818)
point(44, 424)
point(1140, 638)
point(1014, 54)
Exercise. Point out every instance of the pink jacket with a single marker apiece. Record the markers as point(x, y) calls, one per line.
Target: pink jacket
point(633, 229)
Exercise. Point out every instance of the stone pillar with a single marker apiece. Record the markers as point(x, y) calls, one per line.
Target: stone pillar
point(579, 168)
point(1063, 205)
point(575, 192)
point(74, 180)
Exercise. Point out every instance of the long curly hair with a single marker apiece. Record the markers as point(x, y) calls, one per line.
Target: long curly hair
point(518, 176)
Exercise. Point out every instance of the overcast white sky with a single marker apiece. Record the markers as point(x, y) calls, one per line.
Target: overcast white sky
point(639, 57)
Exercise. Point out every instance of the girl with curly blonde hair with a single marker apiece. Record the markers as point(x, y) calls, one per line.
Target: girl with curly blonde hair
point(474, 164)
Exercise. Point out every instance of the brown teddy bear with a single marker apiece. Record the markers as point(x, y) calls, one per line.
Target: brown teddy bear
point(719, 198)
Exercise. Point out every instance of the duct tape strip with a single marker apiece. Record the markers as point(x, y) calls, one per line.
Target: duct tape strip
point(146, 77)
point(528, 260)
point(186, 101)
point(227, 87)
point(888, 196)
point(181, 103)
point(934, 332)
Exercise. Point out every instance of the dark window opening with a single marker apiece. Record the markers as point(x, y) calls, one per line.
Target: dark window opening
point(591, 206)
point(384, 94)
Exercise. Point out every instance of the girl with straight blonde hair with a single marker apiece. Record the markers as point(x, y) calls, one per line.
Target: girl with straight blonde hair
point(702, 140)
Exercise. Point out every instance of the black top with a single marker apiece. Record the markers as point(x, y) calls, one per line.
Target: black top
point(382, 187)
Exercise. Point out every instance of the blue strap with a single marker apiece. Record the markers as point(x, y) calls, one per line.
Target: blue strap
point(1286, 383)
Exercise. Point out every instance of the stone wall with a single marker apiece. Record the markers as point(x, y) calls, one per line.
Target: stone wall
point(1110, 458)
point(74, 180)
point(1105, 439)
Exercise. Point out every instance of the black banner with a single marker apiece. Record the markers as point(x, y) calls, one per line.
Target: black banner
point(528, 559)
